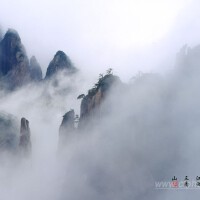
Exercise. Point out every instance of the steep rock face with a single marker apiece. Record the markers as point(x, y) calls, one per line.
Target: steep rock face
point(9, 133)
point(93, 108)
point(35, 70)
point(91, 103)
point(25, 141)
point(14, 64)
point(60, 62)
point(67, 126)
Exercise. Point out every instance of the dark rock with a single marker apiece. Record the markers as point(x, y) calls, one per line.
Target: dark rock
point(14, 64)
point(60, 62)
point(67, 122)
point(25, 140)
point(67, 127)
point(35, 70)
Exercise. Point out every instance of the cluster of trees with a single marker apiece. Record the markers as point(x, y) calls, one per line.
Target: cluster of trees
point(98, 84)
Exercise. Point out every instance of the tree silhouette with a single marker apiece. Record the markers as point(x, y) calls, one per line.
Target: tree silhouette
point(81, 96)
point(109, 71)
point(100, 76)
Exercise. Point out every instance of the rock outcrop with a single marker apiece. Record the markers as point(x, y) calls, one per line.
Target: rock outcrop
point(14, 139)
point(35, 70)
point(91, 108)
point(91, 103)
point(60, 62)
point(25, 139)
point(14, 64)
point(67, 127)
point(67, 122)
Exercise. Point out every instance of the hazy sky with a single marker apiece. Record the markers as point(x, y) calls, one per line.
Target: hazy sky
point(127, 35)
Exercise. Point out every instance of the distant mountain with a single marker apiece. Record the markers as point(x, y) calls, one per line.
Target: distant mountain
point(15, 68)
point(14, 64)
point(35, 69)
point(60, 62)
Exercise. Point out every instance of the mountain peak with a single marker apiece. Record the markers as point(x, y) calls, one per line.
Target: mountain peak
point(14, 64)
point(12, 32)
point(60, 62)
point(35, 69)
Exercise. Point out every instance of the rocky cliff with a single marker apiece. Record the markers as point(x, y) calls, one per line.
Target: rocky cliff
point(67, 127)
point(91, 103)
point(91, 108)
point(60, 62)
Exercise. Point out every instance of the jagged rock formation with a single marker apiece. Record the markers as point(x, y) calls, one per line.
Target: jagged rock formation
point(25, 141)
point(67, 122)
point(14, 139)
point(9, 133)
point(35, 69)
point(90, 109)
point(60, 62)
point(91, 103)
point(14, 64)
point(67, 126)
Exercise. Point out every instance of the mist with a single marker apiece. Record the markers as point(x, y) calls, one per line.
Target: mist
point(148, 132)
point(149, 125)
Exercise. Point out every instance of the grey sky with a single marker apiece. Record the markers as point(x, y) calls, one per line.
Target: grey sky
point(128, 35)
